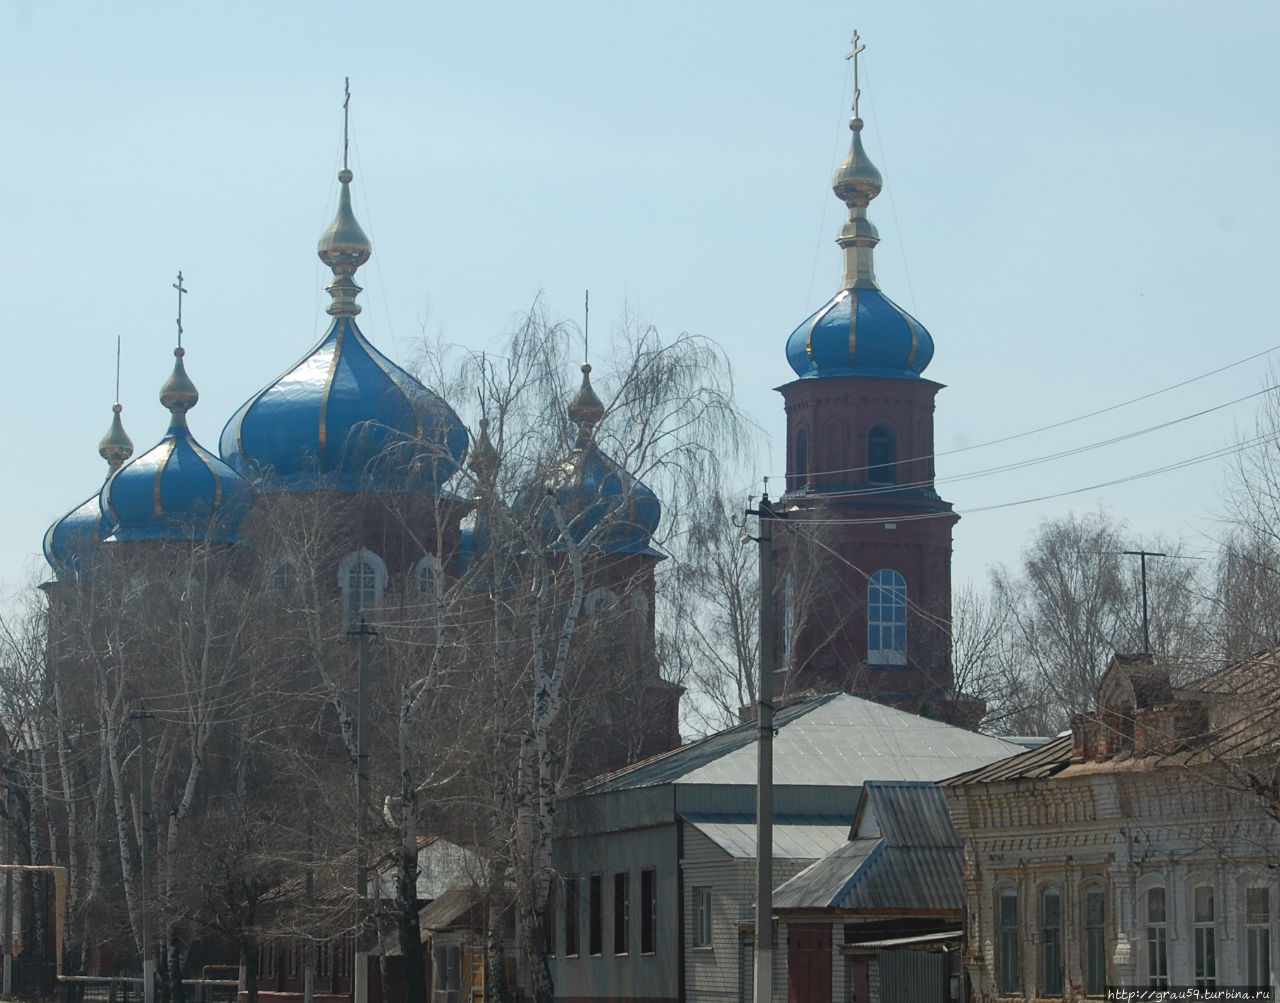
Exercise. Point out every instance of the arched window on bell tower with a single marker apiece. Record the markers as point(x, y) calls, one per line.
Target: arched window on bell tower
point(882, 455)
point(800, 466)
point(887, 618)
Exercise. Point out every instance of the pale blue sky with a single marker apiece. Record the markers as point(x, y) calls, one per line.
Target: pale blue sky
point(1081, 206)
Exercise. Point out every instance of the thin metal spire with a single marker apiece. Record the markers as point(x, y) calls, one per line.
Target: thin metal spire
point(181, 290)
point(857, 48)
point(346, 118)
point(586, 326)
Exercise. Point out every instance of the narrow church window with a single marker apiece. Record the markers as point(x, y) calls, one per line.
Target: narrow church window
point(595, 922)
point(1257, 919)
point(882, 456)
point(887, 619)
point(801, 465)
point(571, 917)
point(1206, 971)
point(598, 601)
point(1007, 952)
point(1157, 940)
point(549, 919)
point(284, 577)
point(648, 911)
point(1095, 943)
point(622, 913)
point(1051, 942)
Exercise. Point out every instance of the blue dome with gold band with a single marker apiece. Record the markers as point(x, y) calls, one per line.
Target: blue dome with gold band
point(177, 490)
point(604, 506)
point(69, 543)
point(345, 418)
point(860, 332)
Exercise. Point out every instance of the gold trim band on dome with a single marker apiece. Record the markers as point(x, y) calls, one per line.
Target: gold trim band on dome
point(217, 481)
point(159, 506)
point(339, 334)
point(853, 324)
point(818, 318)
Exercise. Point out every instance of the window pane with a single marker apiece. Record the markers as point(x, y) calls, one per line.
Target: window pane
point(621, 913)
point(1050, 942)
point(1095, 944)
point(1007, 952)
point(595, 922)
point(648, 911)
point(571, 916)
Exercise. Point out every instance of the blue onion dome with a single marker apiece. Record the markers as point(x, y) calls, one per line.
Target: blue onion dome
point(69, 542)
point(345, 417)
point(177, 490)
point(859, 331)
point(594, 492)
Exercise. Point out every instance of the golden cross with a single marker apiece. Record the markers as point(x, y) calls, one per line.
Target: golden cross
point(854, 56)
point(181, 289)
point(346, 118)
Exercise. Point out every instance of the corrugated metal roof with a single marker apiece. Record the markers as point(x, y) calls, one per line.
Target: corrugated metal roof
point(912, 863)
point(1035, 764)
point(911, 813)
point(792, 840)
point(834, 739)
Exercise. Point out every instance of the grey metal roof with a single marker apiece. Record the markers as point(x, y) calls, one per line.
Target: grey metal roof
point(834, 739)
point(908, 813)
point(800, 839)
point(911, 861)
point(1035, 764)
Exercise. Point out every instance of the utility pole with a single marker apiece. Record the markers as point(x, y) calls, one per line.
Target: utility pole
point(8, 883)
point(360, 977)
point(1142, 556)
point(764, 755)
point(144, 781)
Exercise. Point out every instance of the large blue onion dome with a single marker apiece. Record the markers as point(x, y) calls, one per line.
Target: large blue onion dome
point(69, 542)
point(345, 417)
point(177, 490)
point(602, 504)
point(860, 331)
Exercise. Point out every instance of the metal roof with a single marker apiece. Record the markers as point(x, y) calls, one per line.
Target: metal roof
point(911, 861)
point(1035, 764)
point(835, 739)
point(792, 839)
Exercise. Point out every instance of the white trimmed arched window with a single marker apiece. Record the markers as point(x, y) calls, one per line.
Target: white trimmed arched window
point(599, 601)
point(428, 578)
point(887, 618)
point(362, 576)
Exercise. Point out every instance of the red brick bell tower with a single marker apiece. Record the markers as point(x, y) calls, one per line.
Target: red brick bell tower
point(864, 554)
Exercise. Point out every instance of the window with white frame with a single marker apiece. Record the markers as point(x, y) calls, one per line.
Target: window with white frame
point(1206, 962)
point(1051, 942)
point(887, 618)
point(1007, 973)
point(1257, 936)
point(362, 576)
point(702, 917)
point(428, 578)
point(1095, 942)
point(1157, 939)
point(599, 601)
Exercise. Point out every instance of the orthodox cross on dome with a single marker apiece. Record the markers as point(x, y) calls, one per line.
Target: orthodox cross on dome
point(181, 291)
point(586, 326)
point(857, 48)
point(346, 118)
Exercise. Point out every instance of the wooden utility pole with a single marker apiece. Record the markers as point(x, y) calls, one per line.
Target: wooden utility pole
point(144, 782)
point(360, 976)
point(764, 756)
